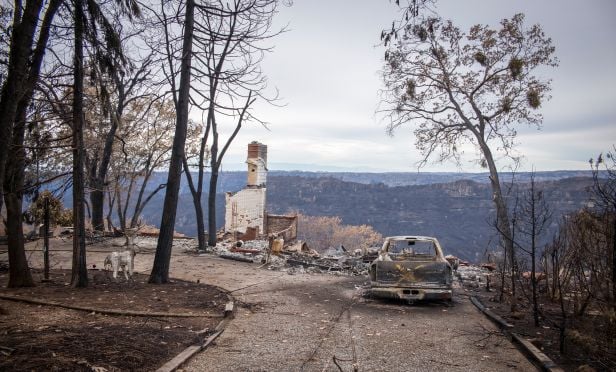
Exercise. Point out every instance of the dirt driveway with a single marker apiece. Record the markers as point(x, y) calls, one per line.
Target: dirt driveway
point(320, 322)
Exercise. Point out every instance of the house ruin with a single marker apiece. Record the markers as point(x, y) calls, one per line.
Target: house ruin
point(245, 210)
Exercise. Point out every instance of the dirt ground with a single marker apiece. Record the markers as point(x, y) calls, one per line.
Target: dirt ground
point(52, 338)
point(593, 352)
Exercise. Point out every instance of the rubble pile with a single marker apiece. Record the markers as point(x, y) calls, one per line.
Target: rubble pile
point(294, 258)
point(251, 251)
point(473, 276)
point(186, 245)
point(342, 264)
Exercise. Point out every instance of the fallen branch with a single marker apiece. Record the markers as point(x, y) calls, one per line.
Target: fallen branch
point(106, 311)
point(236, 258)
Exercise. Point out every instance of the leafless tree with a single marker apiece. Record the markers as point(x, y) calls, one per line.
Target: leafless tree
point(146, 134)
point(218, 74)
point(79, 277)
point(116, 90)
point(322, 232)
point(580, 265)
point(557, 253)
point(473, 88)
point(604, 194)
point(535, 217)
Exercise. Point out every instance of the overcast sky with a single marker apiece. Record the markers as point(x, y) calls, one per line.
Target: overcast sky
point(326, 68)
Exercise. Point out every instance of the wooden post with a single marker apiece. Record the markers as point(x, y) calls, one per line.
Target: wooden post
point(46, 238)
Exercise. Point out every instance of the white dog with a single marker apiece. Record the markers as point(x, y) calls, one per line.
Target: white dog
point(123, 260)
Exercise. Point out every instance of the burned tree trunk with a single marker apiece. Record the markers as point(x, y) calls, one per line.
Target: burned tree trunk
point(160, 269)
point(79, 277)
point(98, 179)
point(211, 202)
point(217, 162)
point(197, 192)
point(502, 215)
point(201, 237)
point(97, 200)
point(196, 196)
point(19, 272)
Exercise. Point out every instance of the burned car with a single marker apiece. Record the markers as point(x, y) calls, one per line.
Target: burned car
point(411, 268)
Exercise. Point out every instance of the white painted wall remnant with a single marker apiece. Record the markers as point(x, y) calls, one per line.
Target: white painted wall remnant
point(246, 208)
point(257, 173)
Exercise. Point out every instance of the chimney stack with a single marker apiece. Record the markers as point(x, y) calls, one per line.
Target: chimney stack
point(257, 164)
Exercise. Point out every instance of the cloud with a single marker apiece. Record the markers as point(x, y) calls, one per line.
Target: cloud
point(326, 67)
point(566, 149)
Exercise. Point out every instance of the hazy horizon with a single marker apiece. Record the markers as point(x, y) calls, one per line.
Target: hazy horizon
point(309, 167)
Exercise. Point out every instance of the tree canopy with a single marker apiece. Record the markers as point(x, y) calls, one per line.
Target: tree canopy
point(459, 88)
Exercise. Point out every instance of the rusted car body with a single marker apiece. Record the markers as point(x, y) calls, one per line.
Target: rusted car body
point(411, 268)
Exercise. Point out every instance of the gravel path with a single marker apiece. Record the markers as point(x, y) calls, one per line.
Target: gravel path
point(322, 323)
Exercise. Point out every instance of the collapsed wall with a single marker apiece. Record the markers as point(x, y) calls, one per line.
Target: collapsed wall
point(245, 209)
point(282, 226)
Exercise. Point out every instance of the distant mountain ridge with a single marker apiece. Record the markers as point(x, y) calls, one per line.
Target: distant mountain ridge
point(235, 180)
point(426, 178)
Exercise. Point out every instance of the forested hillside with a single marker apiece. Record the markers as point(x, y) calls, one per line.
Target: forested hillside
point(459, 213)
